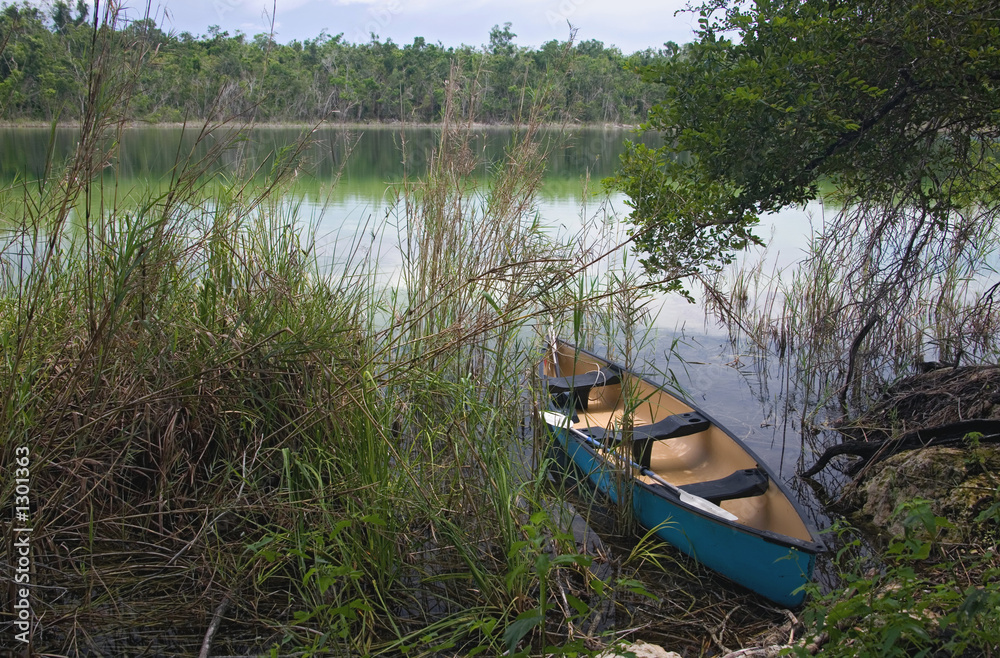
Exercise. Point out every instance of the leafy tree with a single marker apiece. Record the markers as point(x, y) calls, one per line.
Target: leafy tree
point(41, 74)
point(82, 10)
point(61, 16)
point(502, 41)
point(897, 104)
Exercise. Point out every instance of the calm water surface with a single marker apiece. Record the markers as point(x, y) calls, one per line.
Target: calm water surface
point(371, 165)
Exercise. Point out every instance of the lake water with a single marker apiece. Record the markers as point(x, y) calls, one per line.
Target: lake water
point(371, 164)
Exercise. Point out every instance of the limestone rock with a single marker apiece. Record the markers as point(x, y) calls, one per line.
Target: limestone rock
point(639, 649)
point(959, 483)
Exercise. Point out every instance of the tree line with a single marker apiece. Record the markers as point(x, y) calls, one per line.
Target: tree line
point(43, 75)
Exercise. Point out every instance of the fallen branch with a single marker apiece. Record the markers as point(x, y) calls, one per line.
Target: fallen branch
point(875, 451)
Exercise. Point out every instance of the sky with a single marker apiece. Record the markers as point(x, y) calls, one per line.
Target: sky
point(631, 25)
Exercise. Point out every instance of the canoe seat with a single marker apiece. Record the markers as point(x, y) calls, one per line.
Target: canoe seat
point(741, 484)
point(672, 427)
point(643, 436)
point(573, 392)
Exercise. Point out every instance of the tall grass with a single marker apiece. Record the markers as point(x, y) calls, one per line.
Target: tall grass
point(163, 356)
point(237, 449)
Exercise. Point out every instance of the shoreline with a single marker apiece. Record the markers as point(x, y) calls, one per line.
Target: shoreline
point(346, 125)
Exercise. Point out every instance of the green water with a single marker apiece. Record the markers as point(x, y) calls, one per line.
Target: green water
point(369, 158)
point(371, 162)
point(348, 177)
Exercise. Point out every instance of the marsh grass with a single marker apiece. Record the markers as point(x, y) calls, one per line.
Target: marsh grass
point(215, 426)
point(884, 288)
point(238, 449)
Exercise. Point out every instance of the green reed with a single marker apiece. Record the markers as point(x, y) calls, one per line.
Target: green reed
point(238, 449)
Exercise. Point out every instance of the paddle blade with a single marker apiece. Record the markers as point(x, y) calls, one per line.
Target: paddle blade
point(559, 420)
point(706, 506)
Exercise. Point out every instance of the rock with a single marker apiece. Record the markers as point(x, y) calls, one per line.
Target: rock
point(959, 483)
point(758, 652)
point(639, 649)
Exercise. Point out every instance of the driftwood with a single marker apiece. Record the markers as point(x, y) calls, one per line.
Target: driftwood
point(875, 451)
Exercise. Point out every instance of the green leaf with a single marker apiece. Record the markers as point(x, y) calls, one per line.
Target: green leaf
point(637, 587)
point(521, 626)
point(256, 546)
point(581, 560)
point(977, 601)
point(492, 302)
point(324, 581)
point(581, 608)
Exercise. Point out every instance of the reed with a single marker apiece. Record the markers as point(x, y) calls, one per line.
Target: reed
point(883, 289)
point(238, 448)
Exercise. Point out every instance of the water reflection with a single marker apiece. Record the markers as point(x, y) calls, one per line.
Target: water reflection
point(358, 217)
point(365, 157)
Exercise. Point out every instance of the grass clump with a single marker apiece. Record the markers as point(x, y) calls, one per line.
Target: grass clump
point(238, 450)
point(162, 362)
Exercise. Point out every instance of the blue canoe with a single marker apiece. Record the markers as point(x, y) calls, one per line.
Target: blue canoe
point(700, 487)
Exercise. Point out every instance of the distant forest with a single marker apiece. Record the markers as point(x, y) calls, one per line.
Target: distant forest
point(43, 75)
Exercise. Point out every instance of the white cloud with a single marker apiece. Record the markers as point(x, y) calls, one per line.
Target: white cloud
point(630, 24)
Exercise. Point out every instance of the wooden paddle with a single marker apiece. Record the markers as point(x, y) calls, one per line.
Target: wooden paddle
point(560, 420)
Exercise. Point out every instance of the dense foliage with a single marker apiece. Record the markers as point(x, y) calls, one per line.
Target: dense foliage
point(41, 76)
point(888, 100)
point(256, 451)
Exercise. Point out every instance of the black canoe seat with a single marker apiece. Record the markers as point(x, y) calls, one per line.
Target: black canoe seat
point(643, 436)
point(671, 427)
point(573, 392)
point(741, 484)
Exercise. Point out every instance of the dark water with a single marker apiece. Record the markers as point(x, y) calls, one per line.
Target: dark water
point(365, 157)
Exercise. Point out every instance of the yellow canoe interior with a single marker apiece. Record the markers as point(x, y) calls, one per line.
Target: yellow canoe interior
point(705, 456)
